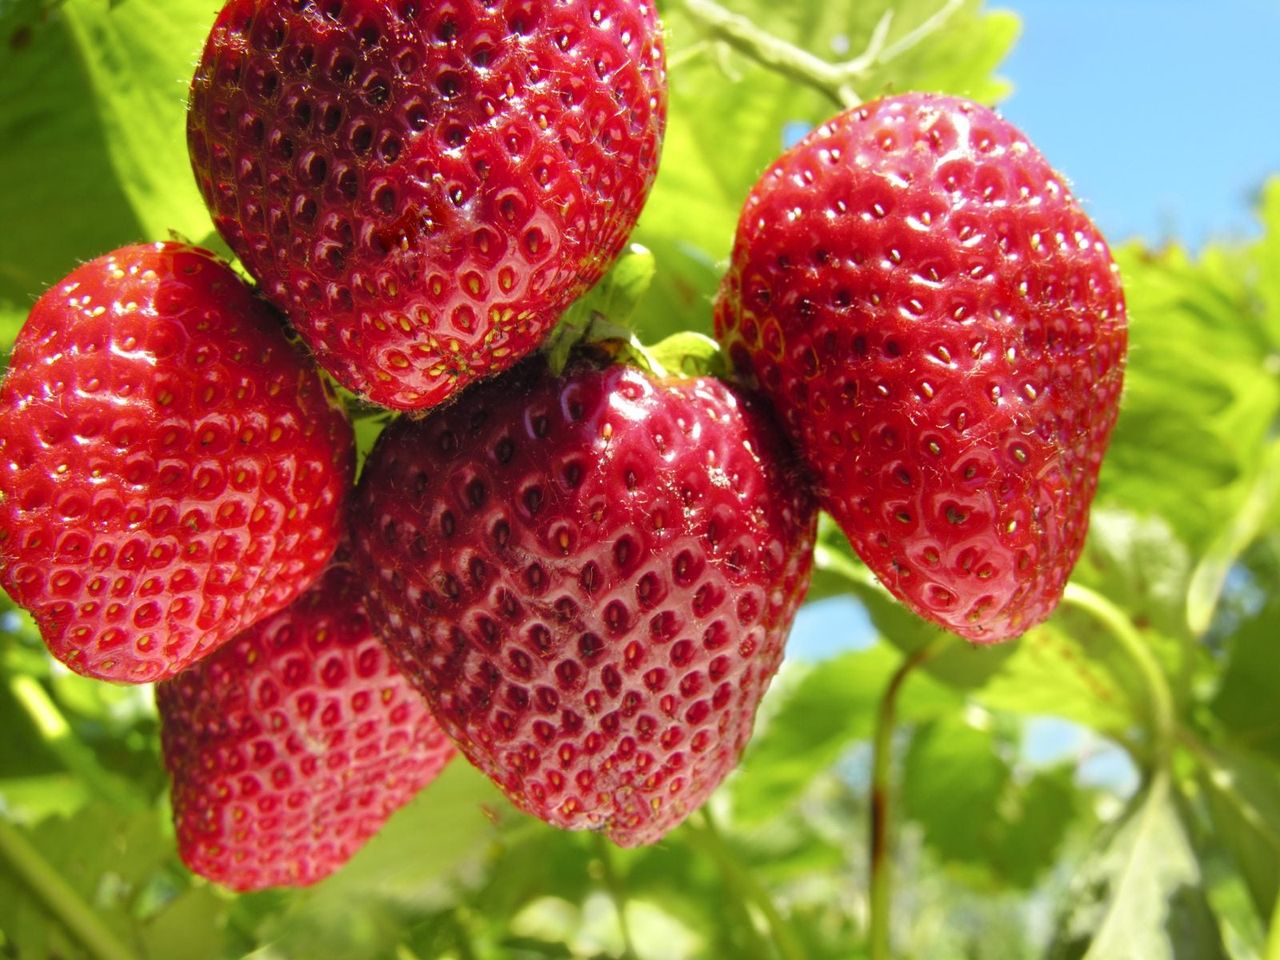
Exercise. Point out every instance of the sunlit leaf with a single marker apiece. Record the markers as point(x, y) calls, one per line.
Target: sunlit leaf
point(959, 784)
point(1243, 793)
point(93, 127)
point(1075, 675)
point(1141, 894)
point(1254, 513)
point(1201, 395)
point(1137, 561)
point(1249, 690)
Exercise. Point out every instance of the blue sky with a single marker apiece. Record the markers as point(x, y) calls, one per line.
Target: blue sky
point(1165, 114)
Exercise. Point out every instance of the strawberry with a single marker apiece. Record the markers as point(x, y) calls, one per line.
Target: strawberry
point(942, 330)
point(292, 745)
point(425, 187)
point(591, 577)
point(172, 468)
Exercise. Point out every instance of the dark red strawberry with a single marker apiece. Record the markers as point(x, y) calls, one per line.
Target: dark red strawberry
point(425, 186)
point(172, 468)
point(291, 745)
point(943, 332)
point(591, 577)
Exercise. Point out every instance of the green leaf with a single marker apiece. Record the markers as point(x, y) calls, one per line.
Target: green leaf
point(105, 858)
point(690, 354)
point(94, 132)
point(952, 780)
point(411, 864)
point(605, 311)
point(1201, 396)
point(1267, 257)
point(367, 430)
point(190, 927)
point(1140, 895)
point(416, 852)
point(1034, 823)
point(626, 283)
point(1077, 675)
point(1138, 561)
point(1249, 690)
point(962, 58)
point(1243, 794)
point(828, 708)
point(958, 783)
point(677, 876)
point(30, 799)
point(1249, 521)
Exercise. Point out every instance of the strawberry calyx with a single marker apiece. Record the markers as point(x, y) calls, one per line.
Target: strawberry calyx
point(600, 324)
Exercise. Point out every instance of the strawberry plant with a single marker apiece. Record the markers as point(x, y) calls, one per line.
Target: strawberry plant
point(239, 243)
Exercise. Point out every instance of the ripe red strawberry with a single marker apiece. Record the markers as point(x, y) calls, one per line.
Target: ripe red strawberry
point(943, 332)
point(423, 186)
point(172, 468)
point(292, 745)
point(591, 578)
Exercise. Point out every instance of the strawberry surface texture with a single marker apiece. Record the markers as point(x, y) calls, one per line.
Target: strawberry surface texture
point(291, 745)
point(942, 330)
point(591, 577)
point(423, 187)
point(172, 467)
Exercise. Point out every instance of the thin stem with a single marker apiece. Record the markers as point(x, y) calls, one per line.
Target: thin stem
point(617, 893)
point(881, 883)
point(58, 897)
point(1163, 713)
point(1204, 591)
point(689, 53)
point(936, 22)
point(57, 734)
point(748, 887)
point(773, 52)
point(836, 81)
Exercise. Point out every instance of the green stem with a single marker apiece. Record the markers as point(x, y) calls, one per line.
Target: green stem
point(770, 51)
point(617, 893)
point(1273, 940)
point(836, 81)
point(1163, 717)
point(57, 734)
point(58, 897)
point(881, 882)
point(463, 937)
point(1210, 575)
point(747, 887)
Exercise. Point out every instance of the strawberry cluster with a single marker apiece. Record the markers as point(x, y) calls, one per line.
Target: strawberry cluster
point(583, 578)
